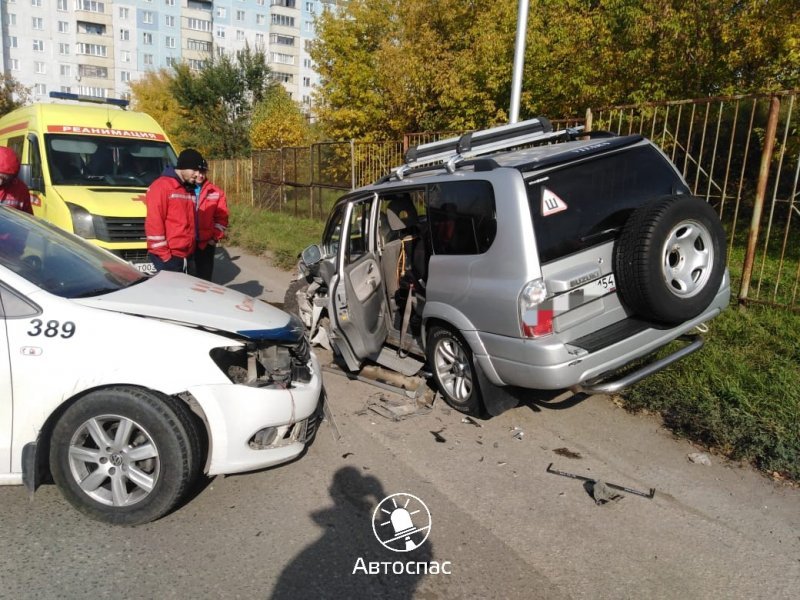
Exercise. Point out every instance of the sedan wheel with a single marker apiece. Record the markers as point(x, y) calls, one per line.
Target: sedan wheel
point(125, 456)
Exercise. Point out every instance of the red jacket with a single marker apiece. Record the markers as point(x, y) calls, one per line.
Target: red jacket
point(169, 225)
point(212, 214)
point(15, 193)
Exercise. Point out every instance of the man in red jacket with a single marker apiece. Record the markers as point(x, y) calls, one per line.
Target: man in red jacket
point(13, 191)
point(211, 216)
point(170, 223)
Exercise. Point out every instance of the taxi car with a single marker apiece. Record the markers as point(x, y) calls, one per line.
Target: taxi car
point(124, 388)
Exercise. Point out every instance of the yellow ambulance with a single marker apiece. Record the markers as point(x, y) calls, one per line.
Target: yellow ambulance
point(88, 167)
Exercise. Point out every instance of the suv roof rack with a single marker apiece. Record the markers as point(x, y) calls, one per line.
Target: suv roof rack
point(452, 151)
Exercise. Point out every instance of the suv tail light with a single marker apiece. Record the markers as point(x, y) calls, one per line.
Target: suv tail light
point(535, 321)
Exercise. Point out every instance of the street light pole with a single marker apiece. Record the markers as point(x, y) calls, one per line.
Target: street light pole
point(519, 60)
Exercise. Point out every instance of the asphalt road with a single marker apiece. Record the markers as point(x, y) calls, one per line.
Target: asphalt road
point(500, 524)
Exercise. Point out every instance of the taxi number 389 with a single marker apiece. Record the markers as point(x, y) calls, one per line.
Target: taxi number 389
point(52, 328)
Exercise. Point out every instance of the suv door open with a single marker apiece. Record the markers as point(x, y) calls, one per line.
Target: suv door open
point(358, 325)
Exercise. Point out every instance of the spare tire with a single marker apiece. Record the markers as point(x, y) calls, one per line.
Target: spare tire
point(670, 259)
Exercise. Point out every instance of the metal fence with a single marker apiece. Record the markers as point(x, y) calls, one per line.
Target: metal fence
point(741, 153)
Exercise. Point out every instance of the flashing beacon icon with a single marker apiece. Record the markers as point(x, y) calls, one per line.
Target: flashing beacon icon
point(401, 522)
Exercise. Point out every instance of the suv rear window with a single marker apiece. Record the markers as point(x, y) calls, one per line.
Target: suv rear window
point(586, 204)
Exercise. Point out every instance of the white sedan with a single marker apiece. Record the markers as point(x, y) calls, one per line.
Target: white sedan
point(124, 388)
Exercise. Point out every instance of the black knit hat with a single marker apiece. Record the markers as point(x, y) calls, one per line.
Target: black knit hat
point(191, 159)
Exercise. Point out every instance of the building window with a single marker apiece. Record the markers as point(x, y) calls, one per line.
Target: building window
point(220, 50)
point(38, 45)
point(12, 19)
point(169, 20)
point(125, 56)
point(37, 23)
point(286, 3)
point(198, 45)
point(308, 44)
point(306, 100)
point(124, 76)
point(239, 35)
point(124, 12)
point(63, 27)
point(40, 89)
point(283, 40)
point(170, 60)
point(62, 5)
point(65, 70)
point(93, 71)
point(282, 20)
point(12, 41)
point(261, 19)
point(147, 17)
point(283, 59)
point(310, 7)
point(220, 32)
point(170, 42)
point(283, 77)
point(14, 64)
point(240, 15)
point(93, 28)
point(147, 38)
point(198, 24)
point(259, 39)
point(124, 34)
point(92, 49)
point(63, 49)
point(169, 2)
point(96, 92)
point(36, 2)
point(307, 63)
point(196, 65)
point(148, 59)
point(39, 68)
point(309, 26)
point(90, 6)
point(307, 81)
point(222, 12)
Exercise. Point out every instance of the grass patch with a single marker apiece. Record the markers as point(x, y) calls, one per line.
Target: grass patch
point(740, 394)
point(284, 236)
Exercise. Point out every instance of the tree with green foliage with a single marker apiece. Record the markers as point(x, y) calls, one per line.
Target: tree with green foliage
point(152, 94)
point(12, 94)
point(217, 102)
point(393, 66)
point(278, 122)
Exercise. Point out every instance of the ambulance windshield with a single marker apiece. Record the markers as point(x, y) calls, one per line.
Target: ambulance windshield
point(106, 161)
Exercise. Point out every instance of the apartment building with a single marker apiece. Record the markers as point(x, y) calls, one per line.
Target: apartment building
point(98, 47)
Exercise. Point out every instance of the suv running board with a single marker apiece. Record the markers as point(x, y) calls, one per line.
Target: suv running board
point(610, 387)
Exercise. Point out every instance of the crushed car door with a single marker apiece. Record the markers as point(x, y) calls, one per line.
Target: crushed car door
point(358, 323)
point(6, 407)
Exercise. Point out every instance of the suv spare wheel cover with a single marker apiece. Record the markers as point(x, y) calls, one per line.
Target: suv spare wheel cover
point(670, 259)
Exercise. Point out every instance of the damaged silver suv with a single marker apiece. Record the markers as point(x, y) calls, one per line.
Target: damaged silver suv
point(518, 257)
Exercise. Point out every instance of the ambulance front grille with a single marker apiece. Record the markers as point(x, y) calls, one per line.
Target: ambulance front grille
point(119, 229)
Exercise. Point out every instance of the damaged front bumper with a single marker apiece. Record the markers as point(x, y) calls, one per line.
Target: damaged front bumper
point(256, 426)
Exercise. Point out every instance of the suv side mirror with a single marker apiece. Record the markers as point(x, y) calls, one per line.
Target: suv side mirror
point(311, 255)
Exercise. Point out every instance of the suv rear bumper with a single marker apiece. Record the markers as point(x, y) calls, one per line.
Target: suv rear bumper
point(548, 364)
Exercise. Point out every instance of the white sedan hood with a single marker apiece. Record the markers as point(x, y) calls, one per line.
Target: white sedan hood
point(185, 299)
